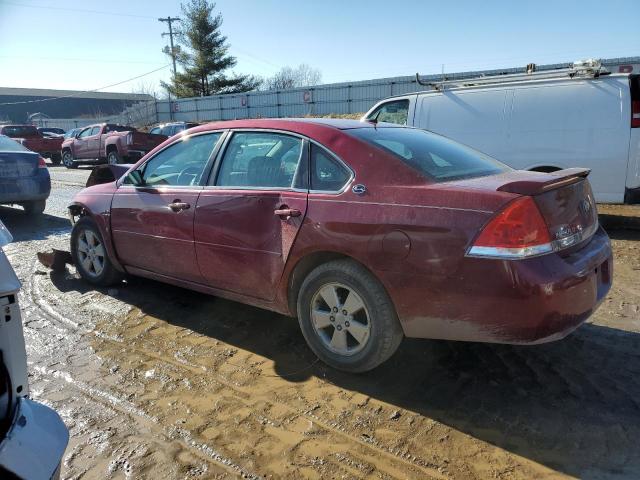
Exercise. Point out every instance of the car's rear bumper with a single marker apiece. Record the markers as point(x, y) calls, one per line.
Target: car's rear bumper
point(35, 443)
point(506, 301)
point(24, 189)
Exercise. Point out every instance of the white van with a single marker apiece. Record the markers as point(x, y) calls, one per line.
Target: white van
point(542, 121)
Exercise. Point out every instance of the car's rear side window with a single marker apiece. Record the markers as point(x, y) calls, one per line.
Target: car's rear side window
point(436, 157)
point(327, 174)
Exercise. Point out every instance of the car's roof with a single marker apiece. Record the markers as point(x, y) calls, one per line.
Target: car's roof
point(293, 124)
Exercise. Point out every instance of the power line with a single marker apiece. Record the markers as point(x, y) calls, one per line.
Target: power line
point(77, 94)
point(100, 12)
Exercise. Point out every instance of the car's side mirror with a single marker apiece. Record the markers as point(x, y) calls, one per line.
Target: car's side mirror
point(135, 178)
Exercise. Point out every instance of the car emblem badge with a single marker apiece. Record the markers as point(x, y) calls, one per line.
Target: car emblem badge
point(359, 189)
point(585, 207)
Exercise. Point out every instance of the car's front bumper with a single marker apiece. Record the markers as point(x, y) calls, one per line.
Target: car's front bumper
point(25, 189)
point(35, 443)
point(510, 301)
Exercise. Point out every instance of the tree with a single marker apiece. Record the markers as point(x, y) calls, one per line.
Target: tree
point(301, 76)
point(204, 57)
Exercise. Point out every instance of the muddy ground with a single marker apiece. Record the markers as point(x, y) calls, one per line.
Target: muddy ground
point(158, 382)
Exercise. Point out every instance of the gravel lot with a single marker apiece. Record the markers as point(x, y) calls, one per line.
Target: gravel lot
point(158, 382)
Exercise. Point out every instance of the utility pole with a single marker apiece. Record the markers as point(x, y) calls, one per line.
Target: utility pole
point(169, 20)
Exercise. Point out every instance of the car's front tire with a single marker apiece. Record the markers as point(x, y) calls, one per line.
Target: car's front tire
point(90, 254)
point(68, 160)
point(35, 207)
point(113, 158)
point(347, 317)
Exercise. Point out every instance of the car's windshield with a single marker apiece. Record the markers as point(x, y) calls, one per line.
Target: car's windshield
point(9, 145)
point(20, 131)
point(434, 156)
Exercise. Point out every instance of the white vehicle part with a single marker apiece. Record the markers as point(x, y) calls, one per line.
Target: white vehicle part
point(35, 443)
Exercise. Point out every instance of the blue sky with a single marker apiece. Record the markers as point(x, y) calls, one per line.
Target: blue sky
point(53, 44)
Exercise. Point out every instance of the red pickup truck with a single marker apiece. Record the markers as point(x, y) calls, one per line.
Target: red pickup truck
point(108, 142)
point(31, 138)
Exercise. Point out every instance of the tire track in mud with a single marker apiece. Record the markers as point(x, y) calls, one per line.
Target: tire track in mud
point(374, 447)
point(110, 400)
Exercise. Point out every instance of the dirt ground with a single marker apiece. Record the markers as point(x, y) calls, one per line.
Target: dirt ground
point(158, 382)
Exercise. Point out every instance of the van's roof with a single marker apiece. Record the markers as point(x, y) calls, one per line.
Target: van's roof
point(499, 83)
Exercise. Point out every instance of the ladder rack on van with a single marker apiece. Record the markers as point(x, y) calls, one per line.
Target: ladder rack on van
point(581, 69)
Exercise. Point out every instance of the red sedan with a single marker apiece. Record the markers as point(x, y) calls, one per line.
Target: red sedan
point(365, 232)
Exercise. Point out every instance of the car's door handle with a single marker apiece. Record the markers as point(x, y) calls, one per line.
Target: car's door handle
point(286, 213)
point(178, 206)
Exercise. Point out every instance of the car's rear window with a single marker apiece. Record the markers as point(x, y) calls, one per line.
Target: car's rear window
point(20, 131)
point(9, 145)
point(435, 156)
point(118, 128)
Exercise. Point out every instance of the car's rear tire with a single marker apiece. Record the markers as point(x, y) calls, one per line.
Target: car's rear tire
point(90, 254)
point(113, 158)
point(56, 158)
point(35, 207)
point(68, 160)
point(347, 317)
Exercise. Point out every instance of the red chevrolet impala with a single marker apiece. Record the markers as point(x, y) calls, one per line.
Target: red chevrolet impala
point(366, 232)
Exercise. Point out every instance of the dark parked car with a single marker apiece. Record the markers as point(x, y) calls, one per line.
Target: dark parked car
point(24, 177)
point(366, 232)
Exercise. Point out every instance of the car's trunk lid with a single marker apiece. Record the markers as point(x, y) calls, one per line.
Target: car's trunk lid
point(18, 164)
point(564, 199)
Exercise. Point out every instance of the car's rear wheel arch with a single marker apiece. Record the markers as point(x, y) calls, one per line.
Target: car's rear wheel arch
point(310, 262)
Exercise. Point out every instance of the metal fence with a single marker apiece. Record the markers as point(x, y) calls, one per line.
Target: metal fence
point(337, 98)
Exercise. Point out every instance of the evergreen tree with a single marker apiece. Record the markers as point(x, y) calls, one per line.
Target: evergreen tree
point(204, 57)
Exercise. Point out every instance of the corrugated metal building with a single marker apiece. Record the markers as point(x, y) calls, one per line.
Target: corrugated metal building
point(16, 104)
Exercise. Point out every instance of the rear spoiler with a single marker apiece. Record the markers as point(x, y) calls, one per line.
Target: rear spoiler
point(107, 174)
point(543, 182)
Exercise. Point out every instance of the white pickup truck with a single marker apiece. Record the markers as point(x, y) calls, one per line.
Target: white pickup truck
point(542, 121)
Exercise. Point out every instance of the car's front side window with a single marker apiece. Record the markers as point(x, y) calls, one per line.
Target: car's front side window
point(180, 164)
point(260, 159)
point(85, 133)
point(392, 112)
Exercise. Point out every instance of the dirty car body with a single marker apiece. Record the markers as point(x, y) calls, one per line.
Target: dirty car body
point(280, 213)
point(33, 438)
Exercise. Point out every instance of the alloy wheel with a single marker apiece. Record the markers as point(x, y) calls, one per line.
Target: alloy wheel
point(91, 253)
point(340, 319)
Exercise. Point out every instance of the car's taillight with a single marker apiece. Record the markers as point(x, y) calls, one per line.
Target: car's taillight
point(41, 163)
point(635, 114)
point(518, 231)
